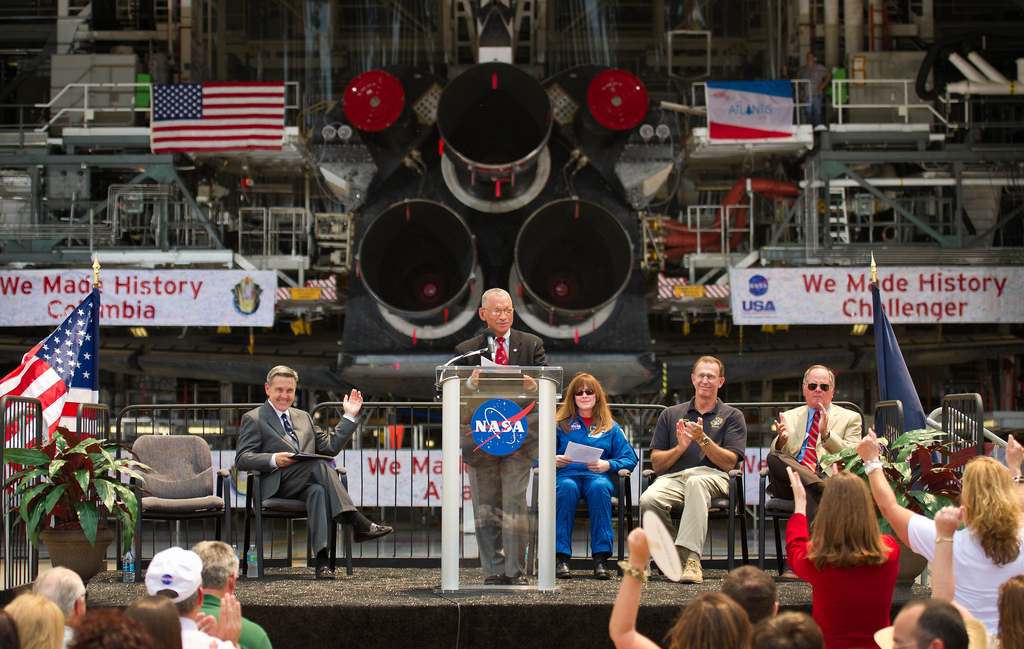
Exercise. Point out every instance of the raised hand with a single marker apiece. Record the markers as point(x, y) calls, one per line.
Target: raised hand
point(867, 447)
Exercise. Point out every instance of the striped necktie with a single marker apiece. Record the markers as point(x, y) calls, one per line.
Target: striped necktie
point(810, 454)
point(290, 430)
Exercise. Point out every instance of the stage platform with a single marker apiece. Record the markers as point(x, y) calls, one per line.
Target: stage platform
point(395, 608)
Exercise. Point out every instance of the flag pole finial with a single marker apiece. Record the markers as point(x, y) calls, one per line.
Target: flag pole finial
point(95, 270)
point(874, 270)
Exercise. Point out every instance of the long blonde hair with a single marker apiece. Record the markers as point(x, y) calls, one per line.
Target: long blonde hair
point(992, 509)
point(845, 533)
point(602, 417)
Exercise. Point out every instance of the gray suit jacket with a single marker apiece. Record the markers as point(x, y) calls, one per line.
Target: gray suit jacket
point(261, 435)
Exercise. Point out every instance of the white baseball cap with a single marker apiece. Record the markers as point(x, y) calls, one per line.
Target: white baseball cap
point(177, 570)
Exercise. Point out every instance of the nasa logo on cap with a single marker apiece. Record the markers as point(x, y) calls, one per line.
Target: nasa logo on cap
point(166, 579)
point(758, 285)
point(499, 426)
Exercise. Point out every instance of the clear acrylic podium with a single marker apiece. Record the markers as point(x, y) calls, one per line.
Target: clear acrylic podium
point(505, 410)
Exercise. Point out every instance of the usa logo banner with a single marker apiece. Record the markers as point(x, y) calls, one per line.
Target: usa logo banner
point(748, 110)
point(217, 116)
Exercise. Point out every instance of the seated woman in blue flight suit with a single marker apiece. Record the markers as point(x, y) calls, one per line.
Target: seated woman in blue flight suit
point(584, 418)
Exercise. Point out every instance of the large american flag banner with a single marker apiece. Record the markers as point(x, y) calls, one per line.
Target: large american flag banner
point(217, 116)
point(61, 370)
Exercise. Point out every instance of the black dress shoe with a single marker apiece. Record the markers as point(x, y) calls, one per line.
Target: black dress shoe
point(562, 570)
point(497, 580)
point(375, 532)
point(601, 570)
point(324, 572)
point(518, 580)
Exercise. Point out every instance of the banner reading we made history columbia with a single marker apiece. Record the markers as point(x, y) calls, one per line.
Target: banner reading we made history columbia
point(910, 294)
point(749, 109)
point(140, 298)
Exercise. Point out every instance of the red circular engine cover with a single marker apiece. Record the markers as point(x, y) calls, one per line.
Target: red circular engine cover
point(374, 100)
point(617, 99)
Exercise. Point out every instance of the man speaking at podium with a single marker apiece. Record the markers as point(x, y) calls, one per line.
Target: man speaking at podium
point(498, 483)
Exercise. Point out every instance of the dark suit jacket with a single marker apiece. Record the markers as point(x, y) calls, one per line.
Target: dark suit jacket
point(523, 349)
point(261, 435)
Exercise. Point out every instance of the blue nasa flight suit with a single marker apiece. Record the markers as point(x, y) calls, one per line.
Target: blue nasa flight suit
point(575, 479)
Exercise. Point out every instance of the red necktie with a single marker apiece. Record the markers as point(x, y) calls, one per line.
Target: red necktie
point(810, 454)
point(500, 355)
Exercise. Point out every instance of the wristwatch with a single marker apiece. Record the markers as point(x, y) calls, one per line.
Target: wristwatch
point(705, 441)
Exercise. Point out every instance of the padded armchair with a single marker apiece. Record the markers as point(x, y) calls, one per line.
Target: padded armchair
point(182, 485)
point(730, 509)
point(289, 509)
point(622, 512)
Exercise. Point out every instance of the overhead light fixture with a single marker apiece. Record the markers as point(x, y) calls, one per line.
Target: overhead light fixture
point(139, 332)
point(859, 329)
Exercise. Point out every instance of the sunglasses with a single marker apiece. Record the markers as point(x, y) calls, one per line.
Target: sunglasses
point(825, 387)
point(588, 392)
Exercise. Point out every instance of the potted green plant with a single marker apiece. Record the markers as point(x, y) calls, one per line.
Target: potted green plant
point(920, 484)
point(62, 489)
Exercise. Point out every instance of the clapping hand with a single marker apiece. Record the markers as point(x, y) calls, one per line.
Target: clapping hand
point(352, 403)
point(780, 428)
point(1014, 455)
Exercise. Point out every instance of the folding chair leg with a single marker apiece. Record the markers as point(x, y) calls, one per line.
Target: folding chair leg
point(259, 540)
point(346, 535)
point(780, 557)
point(743, 540)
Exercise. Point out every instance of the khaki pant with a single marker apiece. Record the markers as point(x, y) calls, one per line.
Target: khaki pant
point(695, 488)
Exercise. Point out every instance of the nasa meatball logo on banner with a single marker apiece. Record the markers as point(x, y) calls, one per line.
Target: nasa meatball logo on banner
point(499, 427)
point(758, 287)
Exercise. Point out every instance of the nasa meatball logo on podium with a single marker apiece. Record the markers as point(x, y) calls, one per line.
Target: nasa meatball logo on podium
point(499, 427)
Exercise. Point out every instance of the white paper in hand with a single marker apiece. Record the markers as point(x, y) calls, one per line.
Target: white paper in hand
point(662, 547)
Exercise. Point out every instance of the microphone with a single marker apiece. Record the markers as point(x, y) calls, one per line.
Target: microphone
point(466, 355)
point(492, 346)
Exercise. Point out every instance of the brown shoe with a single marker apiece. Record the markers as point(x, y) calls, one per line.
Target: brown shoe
point(324, 572)
point(375, 532)
point(789, 575)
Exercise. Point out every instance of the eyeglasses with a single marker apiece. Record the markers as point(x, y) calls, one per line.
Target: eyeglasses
point(825, 387)
point(498, 312)
point(588, 392)
point(707, 377)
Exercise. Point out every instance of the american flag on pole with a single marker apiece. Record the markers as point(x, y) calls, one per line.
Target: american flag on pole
point(61, 370)
point(217, 116)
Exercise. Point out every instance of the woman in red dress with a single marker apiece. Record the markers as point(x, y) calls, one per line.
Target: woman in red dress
point(849, 563)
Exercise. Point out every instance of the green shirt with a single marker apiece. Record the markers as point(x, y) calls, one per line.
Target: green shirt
point(253, 636)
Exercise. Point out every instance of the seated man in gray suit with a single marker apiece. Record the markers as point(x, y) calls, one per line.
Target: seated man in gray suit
point(269, 438)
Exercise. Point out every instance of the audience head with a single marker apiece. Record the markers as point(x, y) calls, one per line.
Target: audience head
point(111, 629)
point(789, 630)
point(1011, 612)
point(754, 590)
point(992, 509)
point(8, 631)
point(40, 623)
point(925, 624)
point(64, 588)
point(845, 532)
point(177, 574)
point(159, 616)
point(220, 565)
point(710, 620)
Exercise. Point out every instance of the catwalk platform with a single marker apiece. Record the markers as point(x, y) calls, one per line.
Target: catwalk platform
point(396, 608)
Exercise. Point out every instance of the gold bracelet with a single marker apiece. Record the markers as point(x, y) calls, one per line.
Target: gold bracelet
point(940, 539)
point(627, 569)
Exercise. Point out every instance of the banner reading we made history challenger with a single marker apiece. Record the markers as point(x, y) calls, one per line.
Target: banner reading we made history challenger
point(911, 294)
point(139, 298)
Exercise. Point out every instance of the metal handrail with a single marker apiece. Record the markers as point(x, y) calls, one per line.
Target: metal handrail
point(905, 105)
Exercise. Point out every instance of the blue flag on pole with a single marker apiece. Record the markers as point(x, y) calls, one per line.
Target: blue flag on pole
point(894, 380)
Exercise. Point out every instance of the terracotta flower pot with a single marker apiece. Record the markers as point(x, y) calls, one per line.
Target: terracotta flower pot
point(70, 549)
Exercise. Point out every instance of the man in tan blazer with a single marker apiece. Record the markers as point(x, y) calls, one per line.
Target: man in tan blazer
point(836, 428)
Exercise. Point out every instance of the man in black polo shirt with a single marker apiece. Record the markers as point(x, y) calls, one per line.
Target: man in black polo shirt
point(695, 445)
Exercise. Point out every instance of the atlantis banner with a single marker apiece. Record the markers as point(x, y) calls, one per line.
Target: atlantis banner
point(749, 109)
point(910, 294)
point(139, 298)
